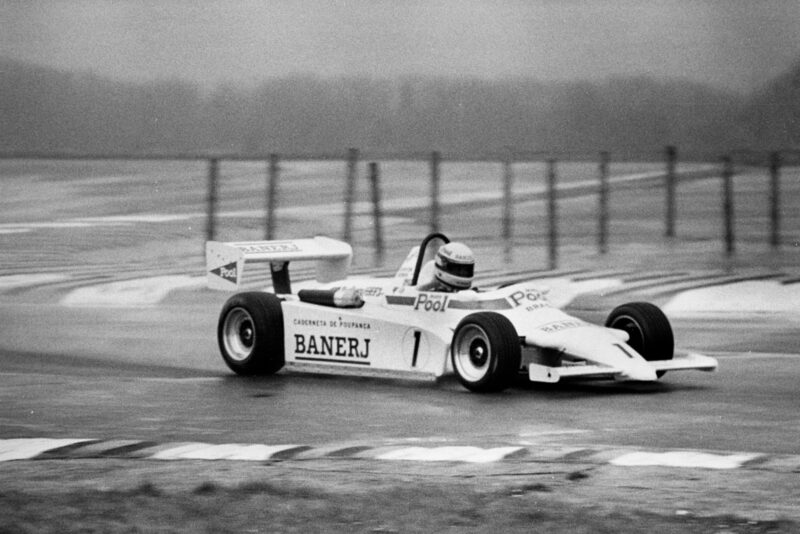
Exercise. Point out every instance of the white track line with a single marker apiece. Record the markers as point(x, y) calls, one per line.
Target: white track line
point(449, 454)
point(229, 451)
point(23, 449)
point(31, 448)
point(695, 459)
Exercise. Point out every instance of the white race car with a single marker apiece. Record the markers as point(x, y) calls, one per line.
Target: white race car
point(392, 327)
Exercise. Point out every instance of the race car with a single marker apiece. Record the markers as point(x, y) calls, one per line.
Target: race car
point(398, 326)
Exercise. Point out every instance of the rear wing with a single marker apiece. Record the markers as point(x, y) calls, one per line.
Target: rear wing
point(254, 264)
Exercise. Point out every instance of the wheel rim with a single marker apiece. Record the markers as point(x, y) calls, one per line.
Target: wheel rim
point(472, 353)
point(239, 334)
point(633, 329)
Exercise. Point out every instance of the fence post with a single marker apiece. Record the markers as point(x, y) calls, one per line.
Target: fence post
point(672, 156)
point(508, 203)
point(272, 190)
point(727, 191)
point(551, 214)
point(377, 213)
point(602, 219)
point(775, 199)
point(211, 206)
point(350, 193)
point(436, 158)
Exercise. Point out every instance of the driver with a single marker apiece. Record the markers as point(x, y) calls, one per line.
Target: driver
point(453, 269)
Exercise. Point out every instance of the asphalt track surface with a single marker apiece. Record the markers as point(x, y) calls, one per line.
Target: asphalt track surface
point(154, 373)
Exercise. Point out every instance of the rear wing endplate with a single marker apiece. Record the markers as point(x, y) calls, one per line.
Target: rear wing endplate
point(241, 265)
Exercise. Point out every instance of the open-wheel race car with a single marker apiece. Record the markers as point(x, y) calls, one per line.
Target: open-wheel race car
point(399, 327)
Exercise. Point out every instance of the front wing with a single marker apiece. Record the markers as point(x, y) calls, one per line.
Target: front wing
point(548, 374)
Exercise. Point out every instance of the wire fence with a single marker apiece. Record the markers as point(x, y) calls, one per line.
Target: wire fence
point(665, 182)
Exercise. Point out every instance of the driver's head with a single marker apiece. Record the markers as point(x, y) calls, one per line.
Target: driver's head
point(455, 266)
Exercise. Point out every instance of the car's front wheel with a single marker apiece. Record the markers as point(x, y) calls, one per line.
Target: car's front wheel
point(250, 333)
point(649, 331)
point(485, 352)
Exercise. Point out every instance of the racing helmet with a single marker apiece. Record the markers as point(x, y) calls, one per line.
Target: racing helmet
point(454, 265)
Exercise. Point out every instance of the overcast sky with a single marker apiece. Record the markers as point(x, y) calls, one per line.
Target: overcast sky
point(738, 44)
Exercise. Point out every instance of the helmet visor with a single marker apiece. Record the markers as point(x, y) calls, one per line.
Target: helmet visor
point(462, 270)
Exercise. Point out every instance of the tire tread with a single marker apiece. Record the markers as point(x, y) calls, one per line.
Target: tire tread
point(268, 353)
point(505, 346)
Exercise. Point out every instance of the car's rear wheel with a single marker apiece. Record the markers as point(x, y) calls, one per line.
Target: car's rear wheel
point(485, 352)
point(648, 329)
point(250, 333)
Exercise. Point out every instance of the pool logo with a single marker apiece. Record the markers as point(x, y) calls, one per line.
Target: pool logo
point(226, 272)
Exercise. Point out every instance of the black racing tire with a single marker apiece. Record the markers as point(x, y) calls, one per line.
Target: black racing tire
point(485, 352)
point(250, 333)
point(649, 330)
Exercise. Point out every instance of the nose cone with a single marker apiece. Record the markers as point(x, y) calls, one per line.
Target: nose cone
point(597, 346)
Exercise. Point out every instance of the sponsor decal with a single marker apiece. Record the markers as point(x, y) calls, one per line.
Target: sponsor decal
point(348, 323)
point(431, 302)
point(336, 346)
point(404, 272)
point(536, 306)
point(558, 326)
point(370, 291)
point(287, 246)
point(309, 322)
point(336, 323)
point(524, 297)
point(228, 272)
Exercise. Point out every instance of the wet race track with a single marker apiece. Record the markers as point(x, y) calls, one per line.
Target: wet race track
point(162, 379)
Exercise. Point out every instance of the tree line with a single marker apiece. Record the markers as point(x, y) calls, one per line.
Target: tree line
point(47, 110)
